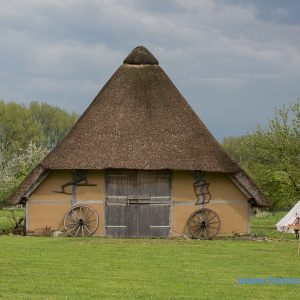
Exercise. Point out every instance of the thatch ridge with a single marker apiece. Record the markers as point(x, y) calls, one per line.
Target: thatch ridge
point(140, 56)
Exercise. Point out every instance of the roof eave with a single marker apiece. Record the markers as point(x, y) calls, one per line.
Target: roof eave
point(29, 184)
point(250, 189)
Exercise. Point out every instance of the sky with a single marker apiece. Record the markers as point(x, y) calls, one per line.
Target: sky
point(233, 61)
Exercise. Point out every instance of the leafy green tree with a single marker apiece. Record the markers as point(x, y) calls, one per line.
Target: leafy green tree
point(43, 124)
point(55, 122)
point(231, 145)
point(273, 156)
point(17, 129)
point(35, 127)
point(14, 171)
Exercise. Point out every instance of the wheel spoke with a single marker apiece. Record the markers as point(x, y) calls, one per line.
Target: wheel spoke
point(82, 231)
point(73, 228)
point(90, 215)
point(203, 216)
point(87, 229)
point(201, 231)
point(85, 213)
point(92, 226)
point(213, 223)
point(80, 212)
point(207, 217)
point(211, 218)
point(74, 211)
point(212, 227)
point(197, 230)
point(90, 221)
point(196, 221)
point(200, 217)
point(209, 231)
point(71, 224)
point(77, 230)
point(197, 217)
point(71, 218)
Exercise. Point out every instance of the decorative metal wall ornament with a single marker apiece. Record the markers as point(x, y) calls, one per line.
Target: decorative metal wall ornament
point(201, 189)
point(74, 182)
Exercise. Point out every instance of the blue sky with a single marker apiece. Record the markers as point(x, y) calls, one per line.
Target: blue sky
point(233, 61)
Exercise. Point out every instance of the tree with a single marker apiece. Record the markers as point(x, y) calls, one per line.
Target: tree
point(17, 168)
point(17, 129)
point(273, 156)
point(42, 124)
point(231, 145)
point(37, 128)
point(55, 122)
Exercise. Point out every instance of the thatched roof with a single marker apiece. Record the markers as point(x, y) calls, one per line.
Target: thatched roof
point(139, 120)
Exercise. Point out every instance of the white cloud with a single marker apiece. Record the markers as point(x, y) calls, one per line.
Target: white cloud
point(61, 48)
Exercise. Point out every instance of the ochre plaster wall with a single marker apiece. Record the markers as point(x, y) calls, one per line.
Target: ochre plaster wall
point(53, 181)
point(222, 188)
point(181, 215)
point(233, 216)
point(47, 214)
point(183, 189)
point(92, 192)
point(42, 213)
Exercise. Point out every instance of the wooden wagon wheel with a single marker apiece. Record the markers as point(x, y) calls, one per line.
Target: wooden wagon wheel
point(81, 221)
point(204, 224)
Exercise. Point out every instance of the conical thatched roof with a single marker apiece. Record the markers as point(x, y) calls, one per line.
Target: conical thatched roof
point(139, 120)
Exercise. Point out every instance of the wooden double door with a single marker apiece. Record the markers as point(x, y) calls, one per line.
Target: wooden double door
point(137, 203)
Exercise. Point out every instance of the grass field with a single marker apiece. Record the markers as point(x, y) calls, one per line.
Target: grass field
point(104, 268)
point(264, 225)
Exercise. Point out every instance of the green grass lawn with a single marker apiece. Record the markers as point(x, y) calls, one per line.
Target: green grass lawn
point(264, 225)
point(104, 268)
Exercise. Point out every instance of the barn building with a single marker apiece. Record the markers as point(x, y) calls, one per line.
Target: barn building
point(140, 158)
